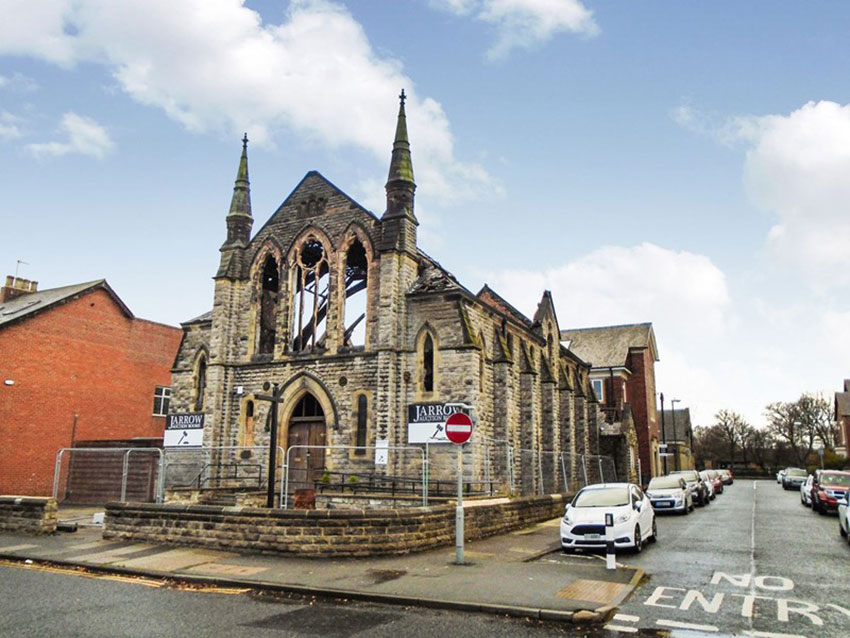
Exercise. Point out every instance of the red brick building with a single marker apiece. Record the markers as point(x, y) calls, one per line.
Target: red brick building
point(77, 369)
point(623, 372)
point(842, 418)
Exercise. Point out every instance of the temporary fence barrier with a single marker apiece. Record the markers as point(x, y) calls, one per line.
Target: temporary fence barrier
point(376, 479)
point(158, 487)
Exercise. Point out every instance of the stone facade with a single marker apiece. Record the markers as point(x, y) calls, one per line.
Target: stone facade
point(282, 313)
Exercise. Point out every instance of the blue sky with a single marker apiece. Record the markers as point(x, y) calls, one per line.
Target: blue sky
point(675, 162)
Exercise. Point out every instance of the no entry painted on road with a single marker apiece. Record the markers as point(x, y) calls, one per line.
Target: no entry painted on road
point(459, 427)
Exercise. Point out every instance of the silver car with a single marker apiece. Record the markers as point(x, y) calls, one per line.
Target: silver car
point(806, 491)
point(844, 516)
point(670, 493)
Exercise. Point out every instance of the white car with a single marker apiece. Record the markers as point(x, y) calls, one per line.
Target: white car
point(844, 516)
point(670, 493)
point(806, 491)
point(583, 525)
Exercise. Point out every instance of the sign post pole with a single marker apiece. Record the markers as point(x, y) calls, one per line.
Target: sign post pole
point(458, 430)
point(459, 509)
point(275, 400)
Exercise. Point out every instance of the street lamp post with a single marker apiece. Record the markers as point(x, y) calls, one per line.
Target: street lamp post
point(663, 434)
point(673, 403)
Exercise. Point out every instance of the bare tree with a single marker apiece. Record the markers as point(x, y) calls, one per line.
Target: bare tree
point(792, 424)
point(731, 424)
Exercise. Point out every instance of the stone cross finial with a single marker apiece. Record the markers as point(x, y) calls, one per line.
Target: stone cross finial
point(402, 97)
point(245, 141)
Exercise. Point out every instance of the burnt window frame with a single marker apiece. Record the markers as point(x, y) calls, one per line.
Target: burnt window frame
point(361, 427)
point(301, 287)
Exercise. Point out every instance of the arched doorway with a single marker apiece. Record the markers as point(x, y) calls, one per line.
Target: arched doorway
point(306, 427)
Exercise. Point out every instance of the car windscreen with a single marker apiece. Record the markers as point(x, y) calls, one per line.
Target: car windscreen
point(835, 479)
point(602, 497)
point(796, 473)
point(664, 482)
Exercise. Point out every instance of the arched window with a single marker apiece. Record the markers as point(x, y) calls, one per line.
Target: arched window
point(428, 364)
point(362, 414)
point(200, 383)
point(269, 289)
point(355, 285)
point(310, 296)
point(481, 360)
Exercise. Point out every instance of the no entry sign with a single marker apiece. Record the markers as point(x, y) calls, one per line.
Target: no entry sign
point(458, 427)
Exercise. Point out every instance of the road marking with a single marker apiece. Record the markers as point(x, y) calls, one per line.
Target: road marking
point(626, 618)
point(621, 628)
point(16, 548)
point(769, 634)
point(685, 625)
point(753, 551)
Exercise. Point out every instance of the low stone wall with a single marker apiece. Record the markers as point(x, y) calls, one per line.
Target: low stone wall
point(334, 500)
point(28, 514)
point(321, 533)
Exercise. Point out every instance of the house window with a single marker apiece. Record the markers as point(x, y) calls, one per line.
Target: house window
point(598, 389)
point(161, 399)
point(362, 411)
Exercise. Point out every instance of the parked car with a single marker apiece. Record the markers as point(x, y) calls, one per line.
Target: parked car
point(670, 493)
point(727, 475)
point(583, 525)
point(794, 477)
point(780, 475)
point(844, 516)
point(714, 479)
point(806, 491)
point(827, 487)
point(698, 488)
point(709, 485)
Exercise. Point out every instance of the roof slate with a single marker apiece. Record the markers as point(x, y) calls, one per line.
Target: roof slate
point(842, 403)
point(609, 346)
point(31, 303)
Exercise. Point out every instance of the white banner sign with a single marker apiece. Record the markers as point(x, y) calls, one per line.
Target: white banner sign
point(184, 430)
point(382, 451)
point(426, 422)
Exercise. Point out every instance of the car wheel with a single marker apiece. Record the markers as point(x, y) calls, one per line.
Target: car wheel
point(841, 530)
point(821, 509)
point(638, 540)
point(654, 538)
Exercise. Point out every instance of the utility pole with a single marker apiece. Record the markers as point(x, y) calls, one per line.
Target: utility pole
point(673, 403)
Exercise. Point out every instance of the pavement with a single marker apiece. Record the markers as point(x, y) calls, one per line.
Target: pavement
point(511, 574)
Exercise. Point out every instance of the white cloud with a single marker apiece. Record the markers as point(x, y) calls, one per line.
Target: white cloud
point(684, 295)
point(213, 65)
point(796, 169)
point(683, 291)
point(524, 23)
point(38, 29)
point(9, 126)
point(17, 82)
point(83, 136)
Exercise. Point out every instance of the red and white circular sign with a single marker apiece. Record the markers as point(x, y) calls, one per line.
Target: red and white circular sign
point(459, 427)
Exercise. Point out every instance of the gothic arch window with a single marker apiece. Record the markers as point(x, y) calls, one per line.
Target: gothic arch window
point(428, 363)
point(269, 291)
point(200, 382)
point(355, 285)
point(248, 423)
point(310, 296)
point(362, 424)
point(482, 360)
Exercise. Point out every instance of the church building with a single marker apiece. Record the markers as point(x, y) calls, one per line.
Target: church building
point(371, 343)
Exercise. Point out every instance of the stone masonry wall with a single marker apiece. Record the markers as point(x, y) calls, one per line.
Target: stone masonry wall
point(28, 514)
point(320, 533)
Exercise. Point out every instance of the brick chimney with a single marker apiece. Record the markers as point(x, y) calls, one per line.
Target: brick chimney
point(15, 287)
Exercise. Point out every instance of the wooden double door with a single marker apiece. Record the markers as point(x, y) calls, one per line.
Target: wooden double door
point(306, 428)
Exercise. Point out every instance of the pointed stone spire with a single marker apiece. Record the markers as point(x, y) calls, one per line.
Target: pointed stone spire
point(400, 185)
point(240, 205)
point(239, 220)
